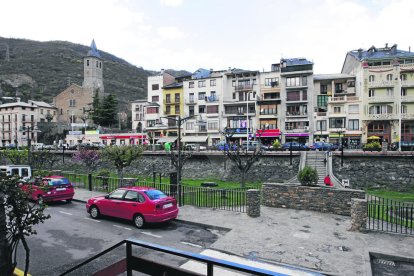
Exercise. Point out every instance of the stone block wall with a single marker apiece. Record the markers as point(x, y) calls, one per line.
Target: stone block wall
point(320, 199)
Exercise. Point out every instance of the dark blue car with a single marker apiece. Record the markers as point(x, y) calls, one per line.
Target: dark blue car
point(323, 146)
point(295, 146)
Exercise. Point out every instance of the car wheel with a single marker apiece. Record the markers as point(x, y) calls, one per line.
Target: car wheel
point(94, 211)
point(40, 200)
point(139, 221)
point(69, 200)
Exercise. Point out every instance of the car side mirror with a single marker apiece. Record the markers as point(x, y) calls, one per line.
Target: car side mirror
point(107, 196)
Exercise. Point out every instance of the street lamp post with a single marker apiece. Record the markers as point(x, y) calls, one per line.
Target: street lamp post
point(247, 119)
point(179, 121)
point(28, 130)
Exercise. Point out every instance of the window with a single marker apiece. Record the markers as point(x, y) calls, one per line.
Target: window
point(354, 108)
point(371, 78)
point(191, 84)
point(212, 109)
point(371, 93)
point(152, 110)
point(72, 103)
point(403, 77)
point(390, 92)
point(117, 194)
point(272, 82)
point(155, 86)
point(337, 122)
point(322, 100)
point(87, 62)
point(155, 98)
point(212, 82)
point(380, 109)
point(324, 89)
point(293, 96)
point(48, 111)
point(177, 97)
point(233, 83)
point(389, 77)
point(54, 112)
point(212, 125)
point(131, 196)
point(168, 98)
point(168, 110)
point(202, 109)
point(353, 124)
point(202, 96)
point(403, 91)
point(403, 109)
point(177, 109)
point(338, 88)
point(151, 123)
point(97, 64)
point(41, 111)
point(189, 126)
point(191, 110)
point(202, 83)
point(296, 81)
point(320, 125)
point(337, 109)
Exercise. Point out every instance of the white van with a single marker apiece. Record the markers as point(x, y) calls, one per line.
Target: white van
point(38, 146)
point(24, 171)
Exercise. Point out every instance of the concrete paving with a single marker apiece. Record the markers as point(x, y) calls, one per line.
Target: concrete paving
point(317, 241)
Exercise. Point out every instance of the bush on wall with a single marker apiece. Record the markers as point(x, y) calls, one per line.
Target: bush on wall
point(308, 176)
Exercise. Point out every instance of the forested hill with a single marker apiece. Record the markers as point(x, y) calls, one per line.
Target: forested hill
point(41, 70)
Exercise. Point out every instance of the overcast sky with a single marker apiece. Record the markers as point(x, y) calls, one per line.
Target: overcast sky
point(192, 34)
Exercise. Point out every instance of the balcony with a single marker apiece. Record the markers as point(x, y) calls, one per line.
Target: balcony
point(191, 101)
point(244, 87)
point(407, 99)
point(407, 83)
point(378, 84)
point(343, 99)
point(383, 99)
point(268, 97)
point(166, 102)
point(297, 114)
point(271, 88)
point(407, 116)
point(212, 99)
point(272, 112)
point(384, 116)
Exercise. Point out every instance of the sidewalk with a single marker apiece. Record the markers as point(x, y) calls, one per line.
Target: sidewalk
point(307, 239)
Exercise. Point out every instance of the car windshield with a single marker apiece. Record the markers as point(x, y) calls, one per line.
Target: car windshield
point(58, 181)
point(155, 194)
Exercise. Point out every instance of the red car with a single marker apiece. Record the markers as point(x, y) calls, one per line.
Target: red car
point(50, 188)
point(139, 204)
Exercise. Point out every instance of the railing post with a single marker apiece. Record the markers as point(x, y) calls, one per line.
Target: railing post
point(129, 258)
point(359, 214)
point(253, 203)
point(90, 181)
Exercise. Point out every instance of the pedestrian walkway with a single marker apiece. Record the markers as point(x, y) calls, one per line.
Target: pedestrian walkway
point(313, 240)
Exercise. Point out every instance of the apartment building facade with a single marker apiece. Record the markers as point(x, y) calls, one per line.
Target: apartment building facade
point(385, 77)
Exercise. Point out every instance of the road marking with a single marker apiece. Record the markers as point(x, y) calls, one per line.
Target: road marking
point(65, 213)
point(192, 244)
point(94, 220)
point(152, 235)
point(126, 228)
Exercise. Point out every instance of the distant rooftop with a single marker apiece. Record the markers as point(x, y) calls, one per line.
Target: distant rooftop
point(381, 53)
point(332, 76)
point(93, 51)
point(295, 61)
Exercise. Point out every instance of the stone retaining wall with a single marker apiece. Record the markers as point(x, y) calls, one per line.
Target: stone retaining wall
point(320, 199)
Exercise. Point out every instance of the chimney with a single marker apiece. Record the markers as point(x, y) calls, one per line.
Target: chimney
point(360, 53)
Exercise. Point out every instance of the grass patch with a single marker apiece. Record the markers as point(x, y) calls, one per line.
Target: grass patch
point(398, 196)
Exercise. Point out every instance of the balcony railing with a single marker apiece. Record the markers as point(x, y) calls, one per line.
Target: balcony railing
point(243, 87)
point(407, 116)
point(380, 84)
point(211, 99)
point(268, 112)
point(343, 99)
point(296, 114)
point(385, 116)
point(384, 99)
point(191, 101)
point(177, 101)
point(269, 97)
point(407, 98)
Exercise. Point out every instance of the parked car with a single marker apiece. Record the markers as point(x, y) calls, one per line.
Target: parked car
point(323, 146)
point(405, 146)
point(139, 204)
point(194, 147)
point(295, 146)
point(253, 145)
point(50, 188)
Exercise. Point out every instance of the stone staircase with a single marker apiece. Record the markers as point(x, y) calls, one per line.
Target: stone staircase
point(315, 159)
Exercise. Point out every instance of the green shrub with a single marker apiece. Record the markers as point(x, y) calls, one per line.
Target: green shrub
point(276, 144)
point(308, 176)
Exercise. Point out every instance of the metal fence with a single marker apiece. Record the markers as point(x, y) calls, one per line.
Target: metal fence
point(230, 199)
point(390, 215)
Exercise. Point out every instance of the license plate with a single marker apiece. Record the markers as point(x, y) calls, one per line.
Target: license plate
point(168, 205)
point(60, 189)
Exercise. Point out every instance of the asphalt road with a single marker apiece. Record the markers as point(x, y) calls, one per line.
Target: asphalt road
point(70, 236)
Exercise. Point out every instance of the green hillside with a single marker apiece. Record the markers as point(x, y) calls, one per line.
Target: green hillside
point(40, 70)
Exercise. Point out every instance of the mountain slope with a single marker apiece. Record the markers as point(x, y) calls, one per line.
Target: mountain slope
point(41, 70)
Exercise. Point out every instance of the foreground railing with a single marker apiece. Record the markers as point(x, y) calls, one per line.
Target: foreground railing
point(132, 263)
point(390, 215)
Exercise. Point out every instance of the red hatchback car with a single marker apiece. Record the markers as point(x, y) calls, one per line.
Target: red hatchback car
point(139, 204)
point(50, 188)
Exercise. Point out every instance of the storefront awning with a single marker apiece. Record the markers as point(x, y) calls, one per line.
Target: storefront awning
point(166, 139)
point(268, 133)
point(194, 139)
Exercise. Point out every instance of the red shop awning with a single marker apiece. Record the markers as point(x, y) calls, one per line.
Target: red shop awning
point(268, 133)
